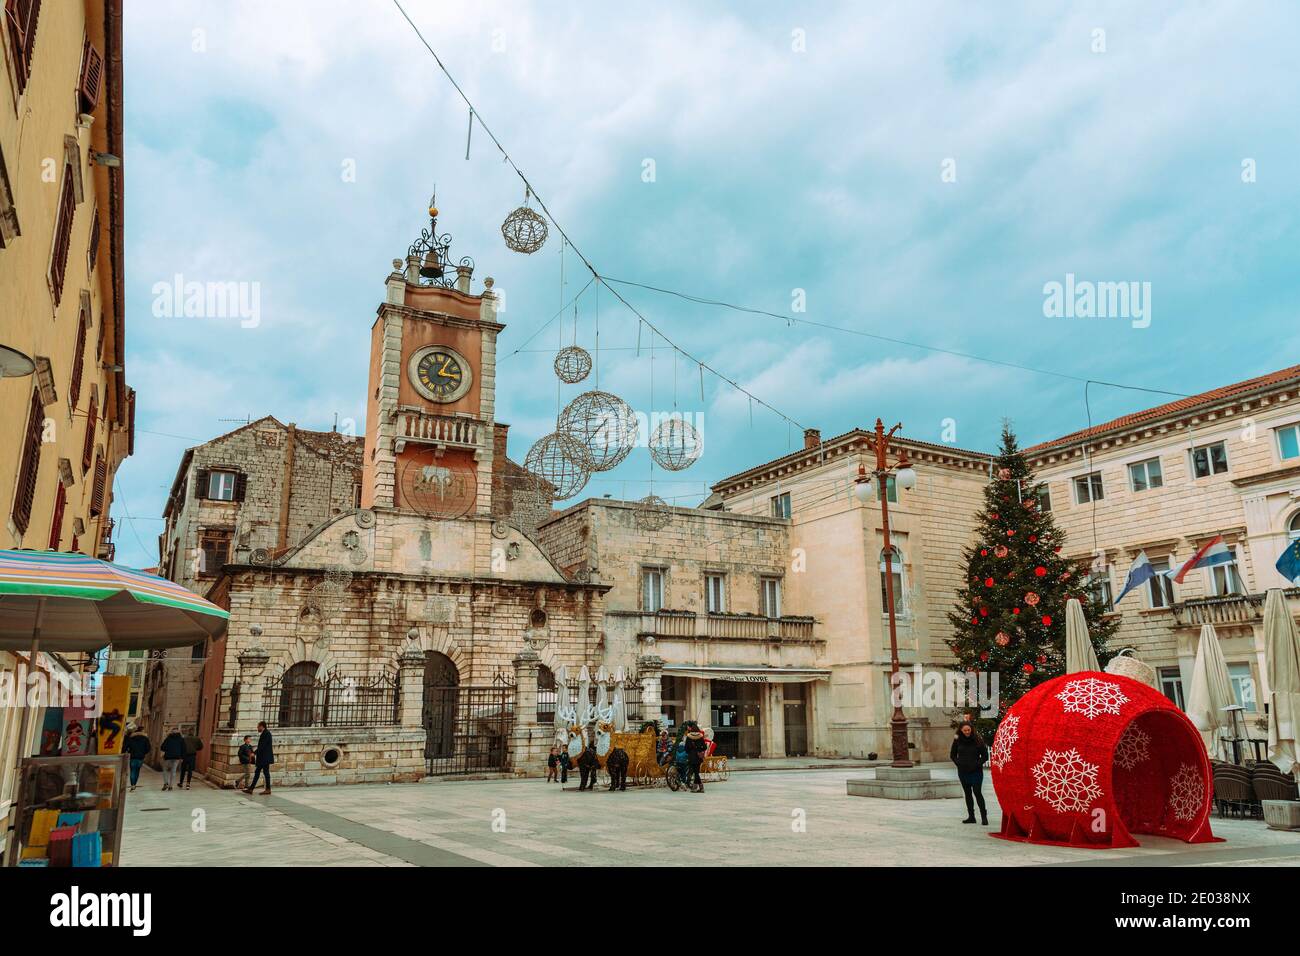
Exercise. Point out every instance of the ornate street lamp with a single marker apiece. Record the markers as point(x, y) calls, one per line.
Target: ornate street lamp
point(877, 483)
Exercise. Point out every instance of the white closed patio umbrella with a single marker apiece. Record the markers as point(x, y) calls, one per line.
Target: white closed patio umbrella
point(1080, 655)
point(1211, 690)
point(1282, 661)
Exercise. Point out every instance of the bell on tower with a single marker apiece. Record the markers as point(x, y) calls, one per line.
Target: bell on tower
point(429, 257)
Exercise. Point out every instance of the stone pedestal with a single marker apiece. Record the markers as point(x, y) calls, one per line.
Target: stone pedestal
point(911, 783)
point(529, 740)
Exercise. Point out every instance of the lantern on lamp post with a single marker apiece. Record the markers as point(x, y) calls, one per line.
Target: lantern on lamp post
point(877, 483)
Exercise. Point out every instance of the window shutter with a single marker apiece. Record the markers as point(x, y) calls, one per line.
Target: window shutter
point(62, 234)
point(97, 489)
point(201, 483)
point(25, 492)
point(21, 15)
point(56, 526)
point(241, 486)
point(88, 446)
point(93, 254)
point(92, 77)
point(78, 364)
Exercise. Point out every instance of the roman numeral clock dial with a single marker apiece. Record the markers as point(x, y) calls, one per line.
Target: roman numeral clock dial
point(439, 373)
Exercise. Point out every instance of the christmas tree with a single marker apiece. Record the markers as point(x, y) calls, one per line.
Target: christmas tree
point(1010, 615)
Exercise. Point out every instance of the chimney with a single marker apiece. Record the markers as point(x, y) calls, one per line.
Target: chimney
point(812, 437)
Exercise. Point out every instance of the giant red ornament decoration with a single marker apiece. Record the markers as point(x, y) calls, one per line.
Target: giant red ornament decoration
point(1089, 759)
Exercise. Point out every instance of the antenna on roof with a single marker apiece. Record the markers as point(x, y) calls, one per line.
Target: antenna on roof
point(336, 422)
point(246, 420)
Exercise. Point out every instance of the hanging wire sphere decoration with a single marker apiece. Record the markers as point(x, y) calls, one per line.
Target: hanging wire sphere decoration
point(676, 444)
point(652, 513)
point(338, 578)
point(524, 230)
point(603, 425)
point(572, 364)
point(559, 461)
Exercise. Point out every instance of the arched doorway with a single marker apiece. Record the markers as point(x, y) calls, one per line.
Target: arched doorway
point(298, 696)
point(441, 694)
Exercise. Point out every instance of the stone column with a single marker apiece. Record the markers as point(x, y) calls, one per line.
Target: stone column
point(526, 739)
point(252, 688)
point(699, 701)
point(772, 732)
point(650, 672)
point(410, 677)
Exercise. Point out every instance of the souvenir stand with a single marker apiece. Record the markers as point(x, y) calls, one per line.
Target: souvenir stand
point(69, 811)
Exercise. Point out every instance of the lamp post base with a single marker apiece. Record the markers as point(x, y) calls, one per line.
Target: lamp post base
point(898, 740)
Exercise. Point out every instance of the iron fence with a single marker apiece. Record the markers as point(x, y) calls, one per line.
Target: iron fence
point(467, 727)
point(303, 700)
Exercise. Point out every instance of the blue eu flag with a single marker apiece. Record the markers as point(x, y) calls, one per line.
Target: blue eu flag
point(1289, 564)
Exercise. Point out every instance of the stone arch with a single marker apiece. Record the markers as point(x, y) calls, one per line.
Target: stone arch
point(435, 638)
point(300, 650)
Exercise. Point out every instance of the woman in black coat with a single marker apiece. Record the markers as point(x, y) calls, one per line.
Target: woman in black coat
point(970, 754)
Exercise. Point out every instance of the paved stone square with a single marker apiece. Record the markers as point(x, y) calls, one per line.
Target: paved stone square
point(751, 819)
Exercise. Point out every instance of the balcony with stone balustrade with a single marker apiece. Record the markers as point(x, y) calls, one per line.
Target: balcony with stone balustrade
point(1229, 609)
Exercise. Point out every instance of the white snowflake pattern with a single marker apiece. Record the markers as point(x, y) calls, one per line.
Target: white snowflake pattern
point(1007, 734)
point(1092, 696)
point(1132, 748)
point(1186, 792)
point(1066, 781)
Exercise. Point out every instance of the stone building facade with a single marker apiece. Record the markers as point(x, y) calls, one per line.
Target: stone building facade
point(250, 492)
point(1167, 480)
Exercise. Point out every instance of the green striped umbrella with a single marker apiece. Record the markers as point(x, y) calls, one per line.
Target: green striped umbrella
point(70, 602)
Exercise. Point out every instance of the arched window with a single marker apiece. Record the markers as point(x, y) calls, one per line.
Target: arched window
point(298, 695)
point(896, 572)
point(441, 695)
point(546, 696)
point(1293, 529)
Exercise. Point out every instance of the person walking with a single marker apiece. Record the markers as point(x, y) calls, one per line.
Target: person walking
point(137, 747)
point(192, 747)
point(970, 754)
point(263, 757)
point(246, 752)
point(697, 746)
point(173, 753)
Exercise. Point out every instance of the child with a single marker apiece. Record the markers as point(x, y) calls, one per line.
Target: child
point(553, 765)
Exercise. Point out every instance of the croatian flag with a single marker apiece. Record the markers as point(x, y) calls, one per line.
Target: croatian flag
point(1140, 573)
point(1211, 553)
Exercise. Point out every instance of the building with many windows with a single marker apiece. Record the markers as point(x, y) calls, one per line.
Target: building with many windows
point(1166, 481)
point(66, 412)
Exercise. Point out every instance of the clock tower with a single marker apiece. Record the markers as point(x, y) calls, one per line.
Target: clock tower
point(429, 411)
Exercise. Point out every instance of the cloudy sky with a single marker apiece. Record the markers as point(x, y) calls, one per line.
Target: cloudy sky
point(920, 171)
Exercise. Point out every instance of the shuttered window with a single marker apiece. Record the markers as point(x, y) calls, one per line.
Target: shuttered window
point(25, 492)
point(97, 489)
point(20, 18)
point(88, 447)
point(92, 253)
point(92, 77)
point(56, 525)
point(78, 366)
point(62, 234)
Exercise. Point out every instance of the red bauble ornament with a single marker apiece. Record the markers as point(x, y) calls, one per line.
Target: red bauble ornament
point(984, 612)
point(1029, 668)
point(1040, 571)
point(1033, 537)
point(1031, 599)
point(1011, 532)
point(1047, 620)
point(1000, 551)
point(984, 552)
point(1056, 550)
point(1003, 639)
point(994, 516)
point(984, 655)
point(1042, 658)
point(1015, 610)
point(988, 582)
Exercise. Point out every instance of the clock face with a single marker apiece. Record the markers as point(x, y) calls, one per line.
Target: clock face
point(440, 374)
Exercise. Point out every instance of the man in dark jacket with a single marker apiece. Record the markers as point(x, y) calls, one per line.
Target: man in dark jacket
point(192, 747)
point(696, 745)
point(173, 752)
point(262, 759)
point(137, 747)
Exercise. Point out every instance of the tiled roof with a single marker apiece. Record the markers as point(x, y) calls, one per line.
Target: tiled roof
point(1177, 407)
